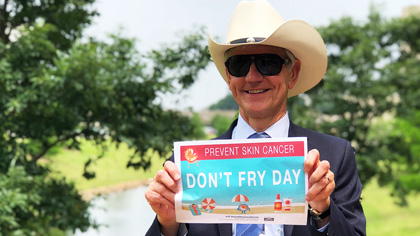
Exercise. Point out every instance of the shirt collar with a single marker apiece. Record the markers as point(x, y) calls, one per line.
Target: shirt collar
point(280, 129)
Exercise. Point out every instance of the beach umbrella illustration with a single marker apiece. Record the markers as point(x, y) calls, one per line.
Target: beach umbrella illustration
point(242, 206)
point(208, 204)
point(240, 198)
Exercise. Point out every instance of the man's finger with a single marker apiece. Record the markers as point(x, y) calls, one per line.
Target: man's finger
point(173, 170)
point(311, 161)
point(317, 188)
point(164, 178)
point(319, 191)
point(320, 172)
point(322, 188)
point(159, 194)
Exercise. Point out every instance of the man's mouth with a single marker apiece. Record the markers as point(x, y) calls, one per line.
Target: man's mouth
point(256, 91)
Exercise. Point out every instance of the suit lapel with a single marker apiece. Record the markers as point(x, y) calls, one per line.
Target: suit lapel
point(288, 229)
point(225, 229)
point(296, 131)
point(228, 134)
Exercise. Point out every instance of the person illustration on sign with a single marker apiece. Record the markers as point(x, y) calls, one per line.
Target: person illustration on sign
point(195, 210)
point(265, 61)
point(242, 206)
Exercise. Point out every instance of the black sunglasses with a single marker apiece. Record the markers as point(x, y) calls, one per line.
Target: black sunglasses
point(267, 64)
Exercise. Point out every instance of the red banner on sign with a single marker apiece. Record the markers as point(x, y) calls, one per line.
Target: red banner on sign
point(244, 150)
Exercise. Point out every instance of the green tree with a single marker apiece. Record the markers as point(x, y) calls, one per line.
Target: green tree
point(373, 75)
point(221, 123)
point(56, 90)
point(227, 103)
point(198, 124)
point(69, 17)
point(400, 140)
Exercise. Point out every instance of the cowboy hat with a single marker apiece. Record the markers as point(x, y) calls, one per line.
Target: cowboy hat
point(258, 23)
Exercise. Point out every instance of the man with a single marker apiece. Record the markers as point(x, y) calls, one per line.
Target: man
point(265, 61)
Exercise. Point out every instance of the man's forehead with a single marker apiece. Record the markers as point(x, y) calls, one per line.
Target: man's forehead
point(254, 49)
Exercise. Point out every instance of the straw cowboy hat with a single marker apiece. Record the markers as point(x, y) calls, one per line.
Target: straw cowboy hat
point(258, 23)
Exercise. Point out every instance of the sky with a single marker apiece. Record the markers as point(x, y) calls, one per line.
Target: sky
point(157, 22)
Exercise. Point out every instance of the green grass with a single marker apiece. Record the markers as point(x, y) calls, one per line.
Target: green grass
point(386, 218)
point(383, 216)
point(110, 169)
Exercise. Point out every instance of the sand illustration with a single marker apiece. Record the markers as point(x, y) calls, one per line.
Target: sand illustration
point(254, 210)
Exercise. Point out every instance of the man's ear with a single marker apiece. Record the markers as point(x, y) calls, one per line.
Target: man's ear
point(294, 74)
point(228, 76)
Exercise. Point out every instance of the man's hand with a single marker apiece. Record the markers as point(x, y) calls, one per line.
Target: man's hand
point(161, 197)
point(321, 182)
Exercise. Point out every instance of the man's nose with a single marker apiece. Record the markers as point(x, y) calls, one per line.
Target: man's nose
point(253, 74)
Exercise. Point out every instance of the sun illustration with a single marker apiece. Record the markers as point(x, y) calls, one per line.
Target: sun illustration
point(191, 157)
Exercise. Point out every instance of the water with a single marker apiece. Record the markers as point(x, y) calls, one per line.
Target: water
point(123, 213)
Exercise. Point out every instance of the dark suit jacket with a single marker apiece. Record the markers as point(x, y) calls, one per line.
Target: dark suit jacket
point(347, 217)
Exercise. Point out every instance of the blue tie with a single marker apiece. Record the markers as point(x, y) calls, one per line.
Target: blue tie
point(252, 229)
point(259, 135)
point(247, 229)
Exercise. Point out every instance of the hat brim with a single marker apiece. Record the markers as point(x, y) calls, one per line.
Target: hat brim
point(298, 37)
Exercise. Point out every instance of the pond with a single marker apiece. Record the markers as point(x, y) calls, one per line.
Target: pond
point(122, 213)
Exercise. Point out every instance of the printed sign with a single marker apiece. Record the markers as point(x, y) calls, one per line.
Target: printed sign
point(258, 181)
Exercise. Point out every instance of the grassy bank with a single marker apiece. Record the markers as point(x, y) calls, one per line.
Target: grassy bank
point(383, 216)
point(110, 169)
point(386, 218)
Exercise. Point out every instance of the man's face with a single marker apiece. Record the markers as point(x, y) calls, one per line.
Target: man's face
point(262, 96)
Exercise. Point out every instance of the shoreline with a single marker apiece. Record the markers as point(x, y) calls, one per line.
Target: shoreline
point(89, 194)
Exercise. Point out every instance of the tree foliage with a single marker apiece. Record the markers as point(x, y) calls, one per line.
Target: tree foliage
point(69, 17)
point(371, 83)
point(198, 132)
point(227, 103)
point(220, 123)
point(56, 90)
